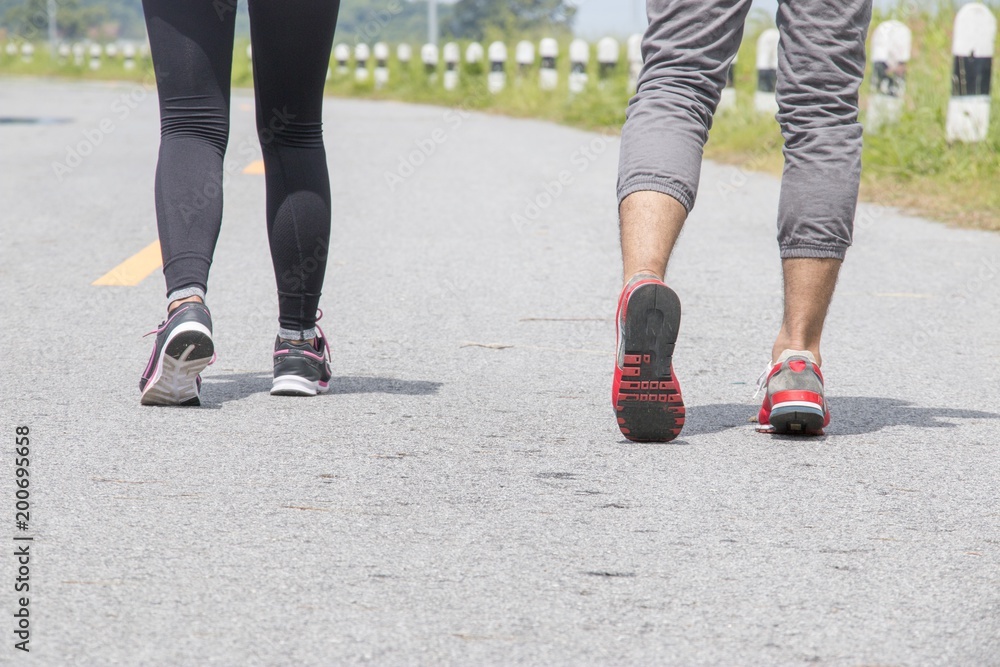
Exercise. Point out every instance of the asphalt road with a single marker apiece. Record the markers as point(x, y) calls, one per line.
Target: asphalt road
point(463, 496)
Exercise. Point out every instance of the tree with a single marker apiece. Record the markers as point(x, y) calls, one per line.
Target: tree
point(74, 18)
point(473, 19)
point(388, 21)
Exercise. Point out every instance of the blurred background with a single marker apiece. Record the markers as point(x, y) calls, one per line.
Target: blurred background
point(911, 162)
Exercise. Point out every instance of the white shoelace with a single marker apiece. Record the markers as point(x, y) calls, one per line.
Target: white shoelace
point(762, 380)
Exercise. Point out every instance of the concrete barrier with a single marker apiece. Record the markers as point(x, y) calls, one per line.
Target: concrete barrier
point(404, 54)
point(342, 56)
point(429, 56)
point(891, 47)
point(381, 53)
point(497, 78)
point(579, 57)
point(972, 47)
point(607, 56)
point(764, 99)
point(548, 76)
point(128, 53)
point(362, 52)
point(452, 55)
point(728, 99)
point(524, 54)
point(95, 56)
point(633, 51)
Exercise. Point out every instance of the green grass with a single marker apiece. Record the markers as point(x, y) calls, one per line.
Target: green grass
point(908, 165)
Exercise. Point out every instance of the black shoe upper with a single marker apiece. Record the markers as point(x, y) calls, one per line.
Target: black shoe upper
point(301, 359)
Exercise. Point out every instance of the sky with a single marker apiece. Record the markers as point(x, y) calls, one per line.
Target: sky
point(596, 18)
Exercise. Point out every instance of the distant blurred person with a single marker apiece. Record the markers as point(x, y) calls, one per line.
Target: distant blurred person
point(687, 49)
point(192, 48)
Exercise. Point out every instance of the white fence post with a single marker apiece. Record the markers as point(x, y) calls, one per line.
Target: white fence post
point(451, 57)
point(891, 47)
point(27, 52)
point(728, 99)
point(633, 49)
point(342, 54)
point(474, 56)
point(429, 56)
point(579, 56)
point(11, 50)
point(95, 56)
point(361, 55)
point(128, 52)
point(764, 99)
point(404, 54)
point(497, 78)
point(381, 53)
point(525, 56)
point(64, 53)
point(969, 106)
point(607, 56)
point(548, 51)
point(78, 52)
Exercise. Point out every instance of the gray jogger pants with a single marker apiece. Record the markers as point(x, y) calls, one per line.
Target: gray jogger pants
point(821, 61)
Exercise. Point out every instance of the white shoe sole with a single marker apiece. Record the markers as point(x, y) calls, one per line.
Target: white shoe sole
point(174, 381)
point(293, 385)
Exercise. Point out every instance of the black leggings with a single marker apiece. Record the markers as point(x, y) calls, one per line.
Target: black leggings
point(192, 48)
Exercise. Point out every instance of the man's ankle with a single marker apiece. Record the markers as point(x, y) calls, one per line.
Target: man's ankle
point(782, 349)
point(641, 274)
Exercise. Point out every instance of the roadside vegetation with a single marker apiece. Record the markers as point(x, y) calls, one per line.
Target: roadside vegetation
point(909, 164)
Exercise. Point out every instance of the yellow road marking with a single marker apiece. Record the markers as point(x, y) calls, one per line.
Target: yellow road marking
point(256, 168)
point(134, 269)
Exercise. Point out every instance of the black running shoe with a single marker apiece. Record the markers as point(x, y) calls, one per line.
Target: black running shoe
point(181, 351)
point(301, 369)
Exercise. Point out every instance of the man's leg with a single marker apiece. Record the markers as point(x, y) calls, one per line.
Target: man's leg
point(809, 285)
point(821, 62)
point(687, 51)
point(651, 222)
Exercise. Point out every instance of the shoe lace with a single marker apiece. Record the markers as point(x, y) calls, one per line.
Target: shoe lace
point(322, 335)
point(762, 380)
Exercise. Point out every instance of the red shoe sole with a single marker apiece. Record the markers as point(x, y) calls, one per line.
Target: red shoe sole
point(649, 406)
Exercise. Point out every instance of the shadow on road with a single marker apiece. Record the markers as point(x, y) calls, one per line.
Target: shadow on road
point(706, 419)
point(375, 385)
point(235, 386)
point(854, 415)
point(33, 120)
point(851, 415)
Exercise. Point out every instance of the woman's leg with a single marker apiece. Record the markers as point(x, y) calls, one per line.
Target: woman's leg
point(192, 49)
point(291, 53)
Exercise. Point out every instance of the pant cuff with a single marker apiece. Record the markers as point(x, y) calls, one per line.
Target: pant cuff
point(813, 252)
point(664, 186)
